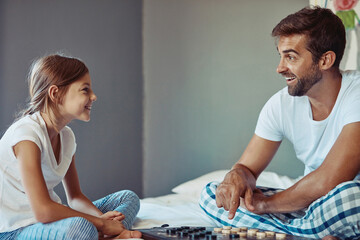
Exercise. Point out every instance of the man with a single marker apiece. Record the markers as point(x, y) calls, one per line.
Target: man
point(319, 112)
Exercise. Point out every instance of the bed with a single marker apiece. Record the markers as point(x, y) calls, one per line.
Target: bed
point(181, 208)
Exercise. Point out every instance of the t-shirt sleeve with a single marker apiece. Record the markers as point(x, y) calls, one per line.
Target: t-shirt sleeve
point(69, 142)
point(25, 132)
point(351, 110)
point(269, 122)
point(350, 107)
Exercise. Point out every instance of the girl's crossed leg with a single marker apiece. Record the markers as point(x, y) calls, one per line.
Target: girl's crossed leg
point(126, 202)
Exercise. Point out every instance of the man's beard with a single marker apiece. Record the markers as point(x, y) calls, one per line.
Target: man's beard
point(306, 82)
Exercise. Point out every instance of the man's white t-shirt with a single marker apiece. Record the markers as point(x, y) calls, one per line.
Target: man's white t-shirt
point(15, 210)
point(291, 117)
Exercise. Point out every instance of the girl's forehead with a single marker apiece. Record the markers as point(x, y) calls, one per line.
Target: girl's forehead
point(84, 80)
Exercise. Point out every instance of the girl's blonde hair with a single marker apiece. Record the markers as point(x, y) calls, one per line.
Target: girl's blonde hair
point(51, 70)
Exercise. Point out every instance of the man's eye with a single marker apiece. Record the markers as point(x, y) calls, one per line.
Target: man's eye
point(291, 58)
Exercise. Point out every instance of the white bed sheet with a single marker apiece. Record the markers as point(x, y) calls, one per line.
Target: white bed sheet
point(173, 209)
point(182, 208)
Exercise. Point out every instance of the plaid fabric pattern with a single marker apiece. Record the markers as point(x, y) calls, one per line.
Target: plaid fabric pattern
point(337, 214)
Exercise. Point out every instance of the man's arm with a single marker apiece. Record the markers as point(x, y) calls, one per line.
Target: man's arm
point(242, 177)
point(340, 165)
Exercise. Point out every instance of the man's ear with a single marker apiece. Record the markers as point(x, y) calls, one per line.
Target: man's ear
point(53, 93)
point(327, 60)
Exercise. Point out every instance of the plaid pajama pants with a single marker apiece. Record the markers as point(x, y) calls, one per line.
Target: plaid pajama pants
point(337, 214)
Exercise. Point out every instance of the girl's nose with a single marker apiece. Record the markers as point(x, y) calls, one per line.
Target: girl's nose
point(93, 97)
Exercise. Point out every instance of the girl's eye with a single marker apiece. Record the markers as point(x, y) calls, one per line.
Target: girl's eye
point(85, 89)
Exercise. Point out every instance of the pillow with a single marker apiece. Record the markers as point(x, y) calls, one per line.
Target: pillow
point(194, 187)
point(274, 180)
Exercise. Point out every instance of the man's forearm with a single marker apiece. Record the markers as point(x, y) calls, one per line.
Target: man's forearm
point(297, 197)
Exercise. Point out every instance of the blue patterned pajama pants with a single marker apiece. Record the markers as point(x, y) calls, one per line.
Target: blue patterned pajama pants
point(126, 202)
point(337, 214)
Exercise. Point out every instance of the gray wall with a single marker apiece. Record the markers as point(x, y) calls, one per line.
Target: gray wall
point(107, 36)
point(209, 67)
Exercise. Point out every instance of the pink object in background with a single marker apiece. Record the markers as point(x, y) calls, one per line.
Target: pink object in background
point(342, 5)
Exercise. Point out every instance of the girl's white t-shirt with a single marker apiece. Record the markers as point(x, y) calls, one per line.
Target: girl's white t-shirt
point(15, 210)
point(291, 117)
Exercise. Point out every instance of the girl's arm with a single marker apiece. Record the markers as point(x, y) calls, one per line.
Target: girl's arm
point(78, 201)
point(44, 208)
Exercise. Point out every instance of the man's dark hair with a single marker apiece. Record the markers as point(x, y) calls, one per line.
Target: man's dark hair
point(324, 30)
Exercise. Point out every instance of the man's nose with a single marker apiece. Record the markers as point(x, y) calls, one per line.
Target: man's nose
point(281, 67)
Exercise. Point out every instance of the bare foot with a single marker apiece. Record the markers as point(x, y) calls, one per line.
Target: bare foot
point(128, 234)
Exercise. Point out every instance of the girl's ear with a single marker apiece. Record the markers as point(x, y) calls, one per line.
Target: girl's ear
point(53, 93)
point(327, 60)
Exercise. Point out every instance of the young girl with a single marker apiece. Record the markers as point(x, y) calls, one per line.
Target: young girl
point(37, 152)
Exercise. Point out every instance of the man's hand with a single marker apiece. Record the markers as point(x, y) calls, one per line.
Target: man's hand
point(241, 180)
point(330, 238)
point(237, 183)
point(255, 202)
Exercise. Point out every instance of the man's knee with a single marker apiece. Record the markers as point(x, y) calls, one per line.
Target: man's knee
point(348, 192)
point(207, 195)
